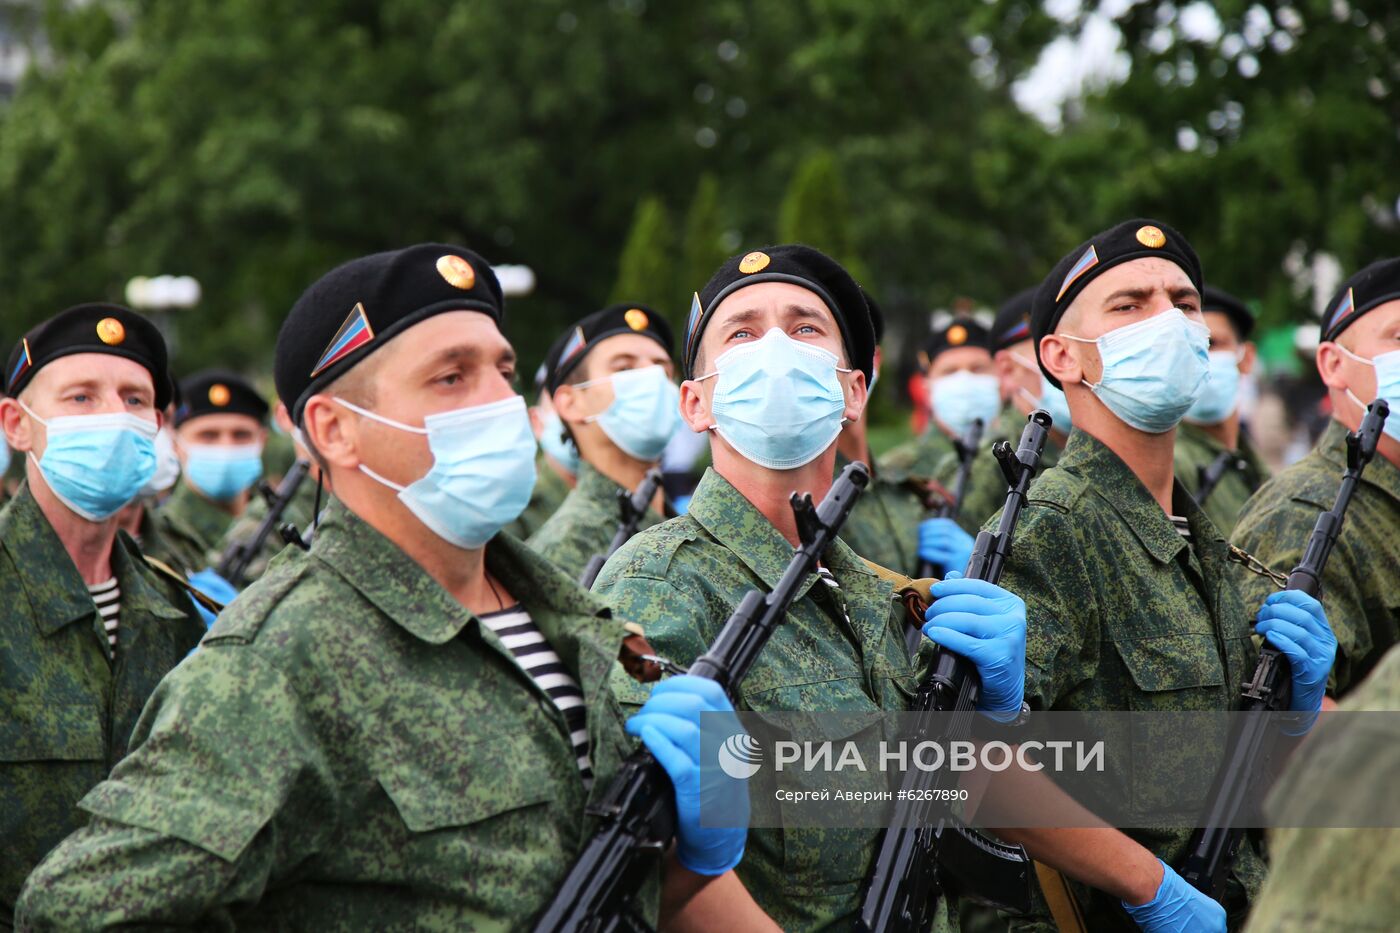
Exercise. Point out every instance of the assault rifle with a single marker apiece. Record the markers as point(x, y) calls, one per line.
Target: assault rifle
point(926, 851)
point(638, 809)
point(1213, 847)
point(632, 507)
point(233, 563)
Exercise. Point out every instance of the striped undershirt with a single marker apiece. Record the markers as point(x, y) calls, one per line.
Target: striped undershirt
point(1183, 527)
point(518, 632)
point(108, 597)
point(835, 589)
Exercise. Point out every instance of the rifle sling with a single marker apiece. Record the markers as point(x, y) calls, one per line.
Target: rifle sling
point(163, 569)
point(1064, 908)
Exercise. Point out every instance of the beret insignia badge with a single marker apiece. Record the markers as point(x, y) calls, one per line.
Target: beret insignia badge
point(1089, 260)
point(110, 331)
point(754, 262)
point(636, 319)
point(219, 395)
point(457, 272)
point(1344, 309)
point(22, 364)
point(353, 334)
point(957, 335)
point(1151, 237)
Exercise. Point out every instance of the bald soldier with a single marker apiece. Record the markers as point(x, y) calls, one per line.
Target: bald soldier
point(88, 629)
point(613, 387)
point(1359, 361)
point(779, 348)
point(402, 728)
point(1214, 459)
point(1130, 604)
point(1025, 388)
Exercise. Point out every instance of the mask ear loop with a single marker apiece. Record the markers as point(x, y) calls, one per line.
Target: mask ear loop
point(1360, 359)
point(1092, 385)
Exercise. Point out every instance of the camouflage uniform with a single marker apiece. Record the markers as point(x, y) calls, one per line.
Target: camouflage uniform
point(67, 705)
point(917, 458)
point(584, 524)
point(1340, 878)
point(548, 495)
point(682, 580)
point(300, 512)
point(1196, 450)
point(1360, 588)
point(349, 749)
point(187, 509)
point(1123, 615)
point(986, 484)
point(169, 540)
point(884, 525)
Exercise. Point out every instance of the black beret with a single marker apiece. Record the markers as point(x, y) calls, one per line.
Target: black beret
point(1217, 299)
point(570, 348)
point(218, 392)
point(356, 308)
point(1013, 320)
point(91, 328)
point(1373, 286)
point(961, 331)
point(797, 265)
point(877, 316)
point(1132, 239)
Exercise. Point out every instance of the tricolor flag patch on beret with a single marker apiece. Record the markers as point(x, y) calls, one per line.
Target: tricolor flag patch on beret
point(575, 344)
point(1344, 309)
point(22, 364)
point(353, 334)
point(1020, 332)
point(1089, 260)
point(692, 321)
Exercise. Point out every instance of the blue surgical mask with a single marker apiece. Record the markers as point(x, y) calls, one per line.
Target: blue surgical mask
point(1221, 391)
point(223, 471)
point(778, 402)
point(1051, 400)
point(644, 414)
point(482, 474)
point(4, 458)
point(558, 446)
point(960, 398)
point(1387, 367)
point(1153, 370)
point(167, 465)
point(95, 464)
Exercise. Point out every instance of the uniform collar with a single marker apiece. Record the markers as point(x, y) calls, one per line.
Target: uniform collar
point(594, 485)
point(1110, 479)
point(1380, 472)
point(200, 515)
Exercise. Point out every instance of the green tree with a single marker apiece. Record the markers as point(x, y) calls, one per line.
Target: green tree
point(816, 211)
point(702, 250)
point(646, 271)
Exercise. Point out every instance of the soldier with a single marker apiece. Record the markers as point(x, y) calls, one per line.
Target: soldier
point(159, 536)
point(613, 386)
point(1341, 877)
point(88, 629)
point(957, 364)
point(780, 346)
point(1025, 388)
point(1359, 361)
point(1129, 602)
point(1211, 439)
point(883, 527)
point(399, 730)
point(556, 466)
point(220, 429)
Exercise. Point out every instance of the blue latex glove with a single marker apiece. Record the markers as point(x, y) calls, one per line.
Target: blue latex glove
point(215, 587)
point(669, 725)
point(1295, 624)
point(1177, 908)
point(945, 545)
point(987, 625)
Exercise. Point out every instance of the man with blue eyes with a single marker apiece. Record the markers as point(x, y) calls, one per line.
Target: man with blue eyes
point(87, 629)
point(1359, 361)
point(1129, 602)
point(613, 389)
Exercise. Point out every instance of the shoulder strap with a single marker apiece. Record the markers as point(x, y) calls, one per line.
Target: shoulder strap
point(913, 593)
point(170, 574)
point(1064, 909)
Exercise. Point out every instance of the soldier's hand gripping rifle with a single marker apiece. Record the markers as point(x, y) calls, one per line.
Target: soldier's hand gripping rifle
point(1209, 476)
point(234, 562)
point(925, 851)
point(631, 508)
point(638, 810)
point(1213, 847)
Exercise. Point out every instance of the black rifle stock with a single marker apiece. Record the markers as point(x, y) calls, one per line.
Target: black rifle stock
point(638, 808)
point(966, 447)
point(1213, 847)
point(631, 508)
point(233, 563)
point(924, 849)
point(1209, 476)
